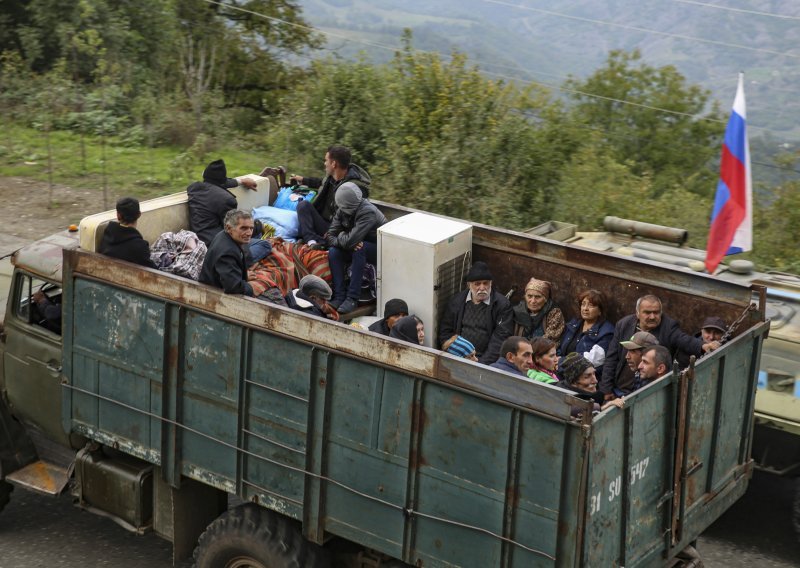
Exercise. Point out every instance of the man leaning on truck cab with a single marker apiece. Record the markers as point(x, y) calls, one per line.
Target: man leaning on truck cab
point(225, 265)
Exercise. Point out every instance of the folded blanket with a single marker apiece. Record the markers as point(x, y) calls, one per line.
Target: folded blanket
point(180, 253)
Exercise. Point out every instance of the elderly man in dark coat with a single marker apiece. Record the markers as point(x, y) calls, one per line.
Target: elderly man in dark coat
point(210, 200)
point(225, 265)
point(648, 317)
point(480, 314)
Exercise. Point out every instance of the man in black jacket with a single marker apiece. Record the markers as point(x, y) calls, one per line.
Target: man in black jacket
point(122, 240)
point(315, 218)
point(648, 317)
point(481, 315)
point(225, 266)
point(210, 200)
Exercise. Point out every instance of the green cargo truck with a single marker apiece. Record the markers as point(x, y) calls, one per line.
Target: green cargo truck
point(165, 402)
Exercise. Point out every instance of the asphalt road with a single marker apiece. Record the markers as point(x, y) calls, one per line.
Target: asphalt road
point(38, 531)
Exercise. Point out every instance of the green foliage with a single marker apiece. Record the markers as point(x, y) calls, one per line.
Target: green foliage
point(434, 134)
point(776, 225)
point(673, 149)
point(132, 170)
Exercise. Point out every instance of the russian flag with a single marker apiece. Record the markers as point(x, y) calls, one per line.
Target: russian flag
point(732, 218)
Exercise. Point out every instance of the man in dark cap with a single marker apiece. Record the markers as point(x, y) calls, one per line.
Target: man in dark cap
point(311, 296)
point(210, 199)
point(315, 217)
point(481, 315)
point(393, 310)
point(713, 329)
point(122, 240)
point(628, 379)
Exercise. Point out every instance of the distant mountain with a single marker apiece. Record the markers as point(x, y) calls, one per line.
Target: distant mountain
point(545, 41)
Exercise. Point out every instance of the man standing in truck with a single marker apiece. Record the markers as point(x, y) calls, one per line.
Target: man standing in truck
point(225, 265)
point(481, 315)
point(210, 200)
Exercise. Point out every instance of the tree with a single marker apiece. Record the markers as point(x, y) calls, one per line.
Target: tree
point(776, 222)
point(251, 41)
point(621, 101)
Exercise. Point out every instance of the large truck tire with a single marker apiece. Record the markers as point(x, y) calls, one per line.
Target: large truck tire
point(250, 536)
point(796, 508)
point(5, 493)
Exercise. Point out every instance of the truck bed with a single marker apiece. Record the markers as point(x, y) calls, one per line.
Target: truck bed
point(406, 450)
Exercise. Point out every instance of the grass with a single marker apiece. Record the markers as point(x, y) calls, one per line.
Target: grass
point(130, 170)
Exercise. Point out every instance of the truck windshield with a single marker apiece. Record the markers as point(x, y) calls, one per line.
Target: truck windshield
point(38, 302)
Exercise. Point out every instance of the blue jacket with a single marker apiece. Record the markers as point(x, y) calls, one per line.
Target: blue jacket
point(599, 334)
point(504, 365)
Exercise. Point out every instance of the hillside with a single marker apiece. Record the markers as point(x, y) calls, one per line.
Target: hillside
point(545, 42)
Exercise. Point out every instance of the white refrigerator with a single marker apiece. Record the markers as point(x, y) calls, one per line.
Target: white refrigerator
point(423, 260)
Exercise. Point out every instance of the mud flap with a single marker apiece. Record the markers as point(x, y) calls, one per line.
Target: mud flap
point(181, 515)
point(16, 448)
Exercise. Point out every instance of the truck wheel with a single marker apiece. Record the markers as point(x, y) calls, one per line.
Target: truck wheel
point(796, 508)
point(5, 493)
point(250, 536)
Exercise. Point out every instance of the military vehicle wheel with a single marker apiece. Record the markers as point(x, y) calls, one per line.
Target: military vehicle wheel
point(5, 493)
point(249, 536)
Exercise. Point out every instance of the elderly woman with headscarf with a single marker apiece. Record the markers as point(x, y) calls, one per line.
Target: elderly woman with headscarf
point(536, 315)
point(409, 328)
point(590, 334)
point(352, 238)
point(578, 375)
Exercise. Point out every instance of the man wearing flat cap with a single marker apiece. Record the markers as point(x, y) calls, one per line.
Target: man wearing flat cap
point(713, 329)
point(122, 239)
point(480, 314)
point(311, 296)
point(629, 379)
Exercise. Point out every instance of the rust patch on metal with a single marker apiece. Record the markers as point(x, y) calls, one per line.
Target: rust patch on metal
point(417, 426)
point(40, 476)
point(172, 357)
point(457, 400)
point(512, 496)
point(416, 459)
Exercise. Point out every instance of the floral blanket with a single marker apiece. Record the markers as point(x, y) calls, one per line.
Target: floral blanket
point(287, 264)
